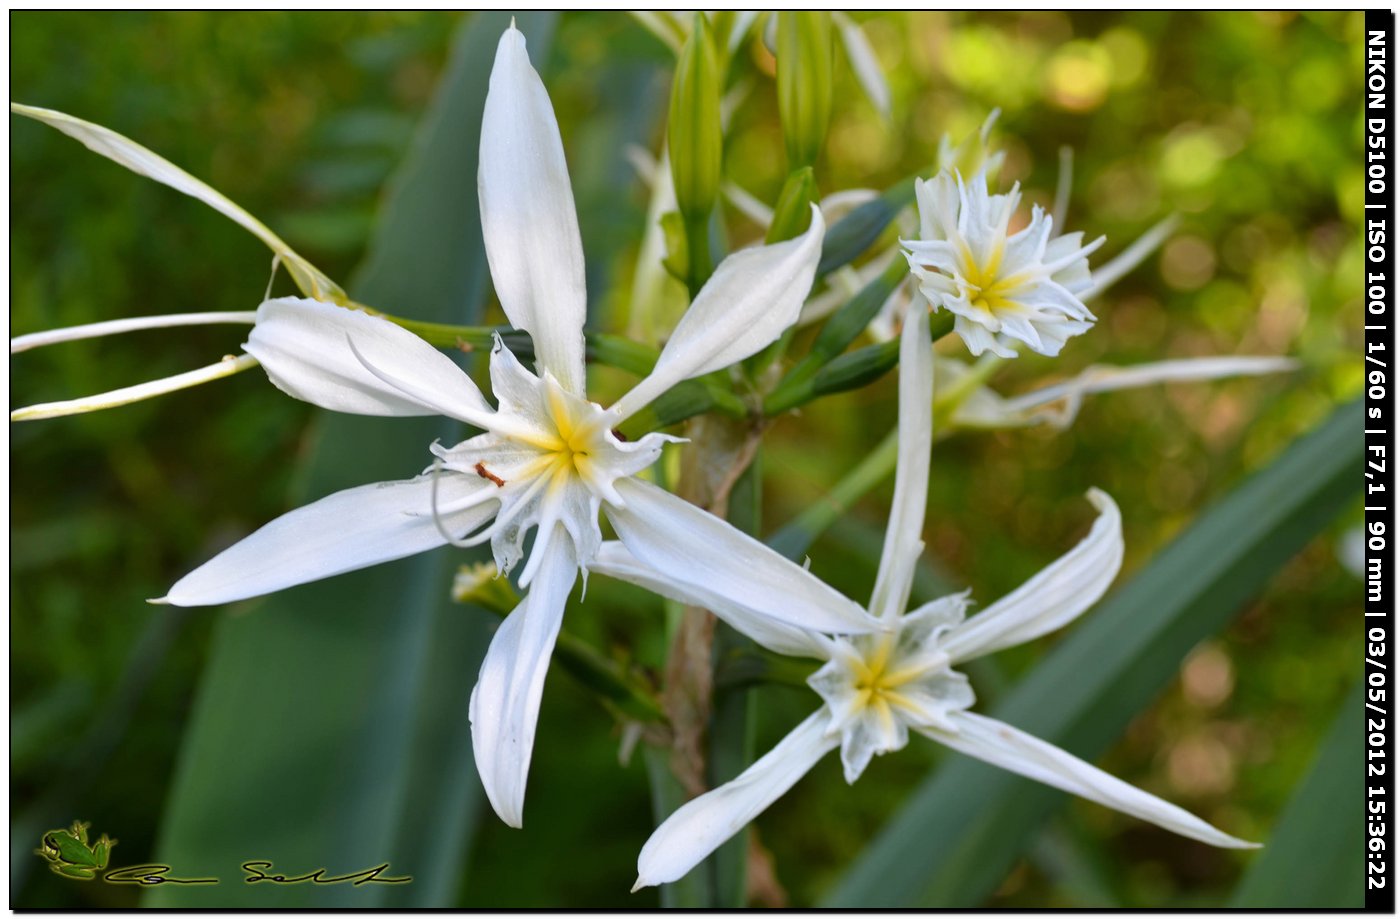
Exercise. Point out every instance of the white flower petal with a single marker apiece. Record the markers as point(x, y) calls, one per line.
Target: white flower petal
point(979, 338)
point(1115, 268)
point(505, 704)
point(660, 26)
point(864, 64)
point(615, 561)
point(1106, 379)
point(747, 204)
point(702, 825)
point(118, 326)
point(753, 297)
point(876, 730)
point(695, 550)
point(1002, 745)
point(342, 532)
point(138, 159)
point(308, 349)
point(1055, 596)
point(141, 391)
point(743, 22)
point(903, 535)
point(527, 215)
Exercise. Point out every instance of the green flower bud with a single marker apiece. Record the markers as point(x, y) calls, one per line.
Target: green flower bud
point(694, 130)
point(793, 213)
point(804, 83)
point(480, 585)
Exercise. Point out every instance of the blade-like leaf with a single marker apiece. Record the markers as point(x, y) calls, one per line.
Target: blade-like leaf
point(1316, 856)
point(331, 726)
point(958, 834)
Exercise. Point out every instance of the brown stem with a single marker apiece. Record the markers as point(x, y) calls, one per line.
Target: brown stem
point(719, 452)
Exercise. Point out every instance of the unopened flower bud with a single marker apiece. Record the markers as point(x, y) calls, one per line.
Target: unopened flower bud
point(694, 130)
point(804, 83)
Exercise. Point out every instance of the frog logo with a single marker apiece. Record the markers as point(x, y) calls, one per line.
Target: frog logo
point(69, 854)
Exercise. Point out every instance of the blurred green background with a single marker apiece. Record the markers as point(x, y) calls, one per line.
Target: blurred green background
point(1247, 124)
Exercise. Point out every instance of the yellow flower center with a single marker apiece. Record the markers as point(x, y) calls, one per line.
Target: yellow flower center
point(988, 290)
point(576, 436)
point(877, 679)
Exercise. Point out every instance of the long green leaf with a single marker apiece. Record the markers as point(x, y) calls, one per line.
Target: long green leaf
point(330, 729)
point(960, 832)
point(1316, 857)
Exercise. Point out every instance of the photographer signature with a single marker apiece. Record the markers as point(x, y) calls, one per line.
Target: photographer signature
point(70, 854)
point(257, 872)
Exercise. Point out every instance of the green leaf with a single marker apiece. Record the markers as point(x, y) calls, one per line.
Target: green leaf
point(1316, 856)
point(959, 833)
point(330, 729)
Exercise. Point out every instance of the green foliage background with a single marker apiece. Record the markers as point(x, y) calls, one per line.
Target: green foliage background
point(1248, 124)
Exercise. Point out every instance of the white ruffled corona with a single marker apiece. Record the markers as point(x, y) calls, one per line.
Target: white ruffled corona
point(878, 687)
point(1027, 286)
point(548, 460)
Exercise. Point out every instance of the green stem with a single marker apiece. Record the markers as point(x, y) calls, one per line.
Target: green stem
point(797, 536)
point(794, 539)
point(699, 264)
point(946, 403)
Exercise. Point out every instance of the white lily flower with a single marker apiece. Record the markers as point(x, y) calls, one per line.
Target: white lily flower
point(876, 688)
point(1027, 286)
point(548, 459)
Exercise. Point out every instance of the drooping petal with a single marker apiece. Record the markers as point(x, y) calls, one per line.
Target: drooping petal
point(1107, 379)
point(614, 561)
point(138, 159)
point(751, 299)
point(309, 350)
point(904, 533)
point(527, 214)
point(134, 324)
point(705, 823)
point(141, 391)
point(342, 532)
point(662, 26)
point(1058, 594)
point(1002, 745)
point(864, 64)
point(696, 551)
point(505, 704)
